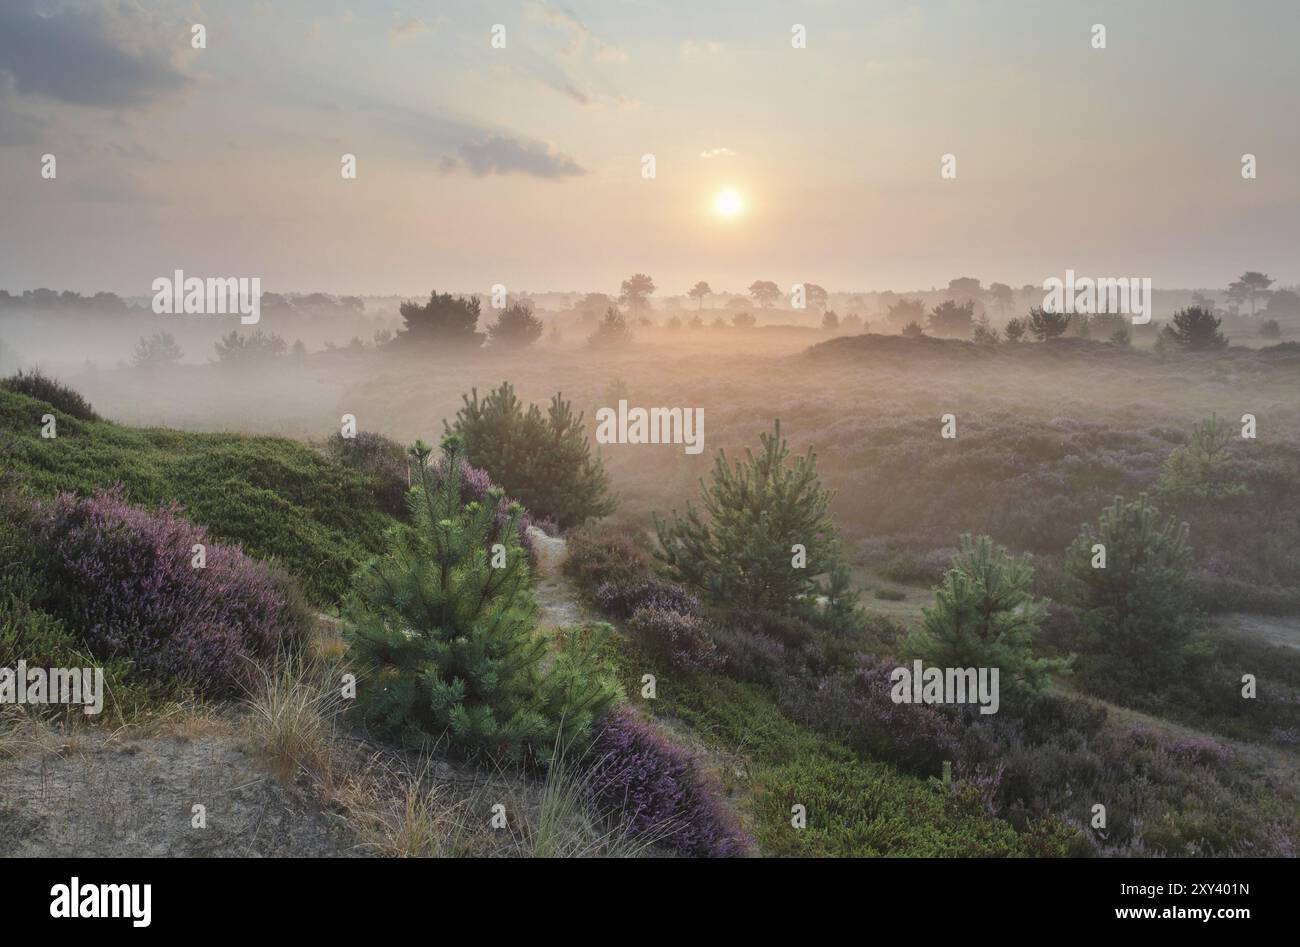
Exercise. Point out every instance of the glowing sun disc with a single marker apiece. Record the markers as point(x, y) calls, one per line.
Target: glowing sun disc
point(728, 203)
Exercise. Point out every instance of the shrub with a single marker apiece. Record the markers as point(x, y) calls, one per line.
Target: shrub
point(380, 458)
point(984, 616)
point(125, 580)
point(658, 789)
point(56, 395)
point(622, 598)
point(1270, 329)
point(255, 348)
point(156, 351)
point(1047, 325)
point(1198, 470)
point(856, 709)
point(1135, 609)
point(739, 550)
point(1196, 329)
point(913, 330)
point(448, 640)
point(952, 319)
point(682, 637)
point(515, 328)
point(613, 331)
point(608, 555)
point(891, 595)
point(445, 320)
point(1015, 329)
point(544, 462)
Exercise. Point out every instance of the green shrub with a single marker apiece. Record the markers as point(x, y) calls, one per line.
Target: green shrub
point(543, 461)
point(445, 632)
point(57, 395)
point(1195, 329)
point(1135, 609)
point(1198, 471)
point(739, 549)
point(984, 616)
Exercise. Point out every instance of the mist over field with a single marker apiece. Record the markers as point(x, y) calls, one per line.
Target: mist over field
point(669, 432)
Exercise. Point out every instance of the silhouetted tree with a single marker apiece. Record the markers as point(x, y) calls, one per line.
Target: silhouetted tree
point(1196, 330)
point(444, 320)
point(699, 291)
point(515, 328)
point(765, 293)
point(1047, 325)
point(635, 292)
point(952, 319)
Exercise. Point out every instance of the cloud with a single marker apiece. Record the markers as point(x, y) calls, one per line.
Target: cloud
point(496, 154)
point(410, 28)
point(690, 48)
point(107, 56)
point(582, 36)
point(717, 153)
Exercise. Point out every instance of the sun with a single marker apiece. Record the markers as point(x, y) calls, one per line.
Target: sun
point(728, 203)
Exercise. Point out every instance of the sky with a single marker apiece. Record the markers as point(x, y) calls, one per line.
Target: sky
point(523, 165)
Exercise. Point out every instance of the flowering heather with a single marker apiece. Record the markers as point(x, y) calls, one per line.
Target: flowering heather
point(659, 789)
point(682, 637)
point(125, 583)
point(622, 598)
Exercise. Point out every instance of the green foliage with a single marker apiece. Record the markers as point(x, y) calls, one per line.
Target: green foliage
point(515, 328)
point(1047, 325)
point(543, 461)
point(738, 550)
point(1196, 329)
point(1134, 610)
point(54, 393)
point(255, 348)
point(984, 616)
point(1198, 471)
point(447, 640)
point(277, 499)
point(445, 320)
point(156, 351)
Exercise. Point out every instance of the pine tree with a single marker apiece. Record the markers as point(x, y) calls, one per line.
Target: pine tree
point(984, 616)
point(543, 461)
point(1196, 330)
point(1047, 325)
point(738, 550)
point(1135, 607)
point(443, 628)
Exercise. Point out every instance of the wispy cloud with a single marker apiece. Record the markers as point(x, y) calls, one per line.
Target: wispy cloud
point(581, 37)
point(498, 154)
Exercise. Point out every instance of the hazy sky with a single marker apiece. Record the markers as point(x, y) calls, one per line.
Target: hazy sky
point(523, 165)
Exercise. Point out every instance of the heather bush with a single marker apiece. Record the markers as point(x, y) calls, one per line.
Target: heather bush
point(622, 598)
point(658, 789)
point(56, 395)
point(597, 556)
point(124, 580)
point(382, 459)
point(856, 709)
point(682, 637)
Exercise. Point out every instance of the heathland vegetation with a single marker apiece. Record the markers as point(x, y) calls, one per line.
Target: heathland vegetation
point(697, 654)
